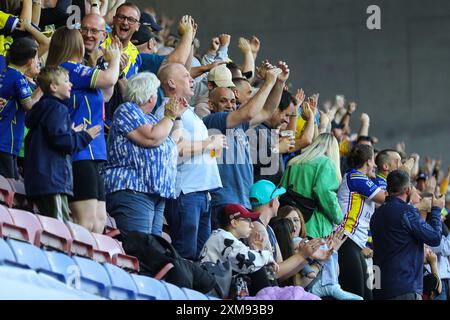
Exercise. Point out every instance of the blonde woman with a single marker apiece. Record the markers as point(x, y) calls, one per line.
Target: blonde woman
point(316, 175)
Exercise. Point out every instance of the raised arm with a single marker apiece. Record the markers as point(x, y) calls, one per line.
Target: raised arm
point(307, 135)
point(365, 124)
point(248, 63)
point(36, 12)
point(274, 98)
point(346, 119)
point(254, 106)
point(108, 78)
point(186, 29)
point(41, 39)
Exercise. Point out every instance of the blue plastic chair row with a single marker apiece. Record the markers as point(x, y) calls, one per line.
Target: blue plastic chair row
point(105, 280)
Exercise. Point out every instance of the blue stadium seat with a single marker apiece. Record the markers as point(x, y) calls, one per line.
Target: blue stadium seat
point(150, 289)
point(6, 255)
point(175, 292)
point(122, 285)
point(93, 277)
point(62, 267)
point(29, 256)
point(194, 295)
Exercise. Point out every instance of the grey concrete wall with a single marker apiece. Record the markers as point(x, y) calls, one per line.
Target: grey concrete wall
point(399, 75)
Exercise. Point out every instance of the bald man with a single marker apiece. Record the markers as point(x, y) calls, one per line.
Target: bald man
point(93, 30)
point(189, 216)
point(222, 100)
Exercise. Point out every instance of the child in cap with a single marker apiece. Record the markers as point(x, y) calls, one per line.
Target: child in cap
point(50, 142)
point(19, 99)
point(236, 222)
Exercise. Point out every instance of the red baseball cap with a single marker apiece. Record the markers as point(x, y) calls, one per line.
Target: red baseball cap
point(235, 211)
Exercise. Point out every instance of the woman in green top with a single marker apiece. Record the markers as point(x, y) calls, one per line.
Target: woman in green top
point(316, 174)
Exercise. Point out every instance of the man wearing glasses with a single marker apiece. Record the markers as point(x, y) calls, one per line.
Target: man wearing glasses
point(125, 24)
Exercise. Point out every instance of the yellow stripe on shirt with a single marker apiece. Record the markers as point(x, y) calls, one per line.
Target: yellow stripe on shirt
point(354, 212)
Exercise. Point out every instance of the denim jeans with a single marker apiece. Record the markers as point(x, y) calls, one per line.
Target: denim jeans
point(332, 290)
point(189, 219)
point(136, 211)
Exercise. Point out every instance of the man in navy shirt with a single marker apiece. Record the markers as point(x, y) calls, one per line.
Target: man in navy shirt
point(399, 234)
point(235, 167)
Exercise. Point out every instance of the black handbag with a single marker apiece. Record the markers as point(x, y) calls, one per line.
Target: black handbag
point(291, 198)
point(154, 252)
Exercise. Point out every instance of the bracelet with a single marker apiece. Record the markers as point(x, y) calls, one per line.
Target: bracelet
point(178, 118)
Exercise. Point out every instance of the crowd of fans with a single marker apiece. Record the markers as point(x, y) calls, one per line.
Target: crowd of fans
point(114, 113)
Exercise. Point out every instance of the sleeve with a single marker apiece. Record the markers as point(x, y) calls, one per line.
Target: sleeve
point(244, 260)
point(23, 92)
point(222, 54)
point(208, 59)
point(84, 77)
point(7, 23)
point(306, 270)
point(61, 135)
point(151, 62)
point(325, 188)
point(363, 185)
point(128, 118)
point(430, 233)
point(444, 247)
point(217, 120)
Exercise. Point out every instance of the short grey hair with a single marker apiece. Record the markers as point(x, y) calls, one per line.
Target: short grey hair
point(141, 87)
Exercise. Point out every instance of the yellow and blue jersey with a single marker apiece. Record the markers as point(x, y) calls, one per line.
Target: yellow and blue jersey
point(15, 90)
point(380, 181)
point(86, 107)
point(7, 25)
point(355, 196)
point(135, 61)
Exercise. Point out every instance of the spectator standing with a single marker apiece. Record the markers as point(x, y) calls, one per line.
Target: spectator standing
point(50, 142)
point(141, 169)
point(399, 234)
point(86, 107)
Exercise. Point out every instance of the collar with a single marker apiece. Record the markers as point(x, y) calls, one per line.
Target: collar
point(14, 67)
point(382, 176)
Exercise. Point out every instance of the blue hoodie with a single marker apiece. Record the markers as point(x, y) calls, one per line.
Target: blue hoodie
point(48, 148)
point(399, 235)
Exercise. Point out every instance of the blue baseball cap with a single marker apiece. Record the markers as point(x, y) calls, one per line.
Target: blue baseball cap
point(264, 191)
